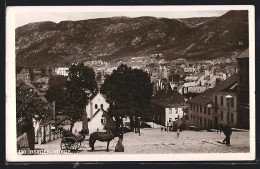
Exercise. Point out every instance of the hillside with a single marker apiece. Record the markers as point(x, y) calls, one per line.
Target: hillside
point(52, 44)
point(196, 21)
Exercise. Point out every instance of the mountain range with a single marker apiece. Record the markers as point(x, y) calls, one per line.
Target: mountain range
point(117, 38)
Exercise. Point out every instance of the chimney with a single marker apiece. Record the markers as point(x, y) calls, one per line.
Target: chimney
point(183, 90)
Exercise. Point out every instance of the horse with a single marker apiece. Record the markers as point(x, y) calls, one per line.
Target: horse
point(103, 137)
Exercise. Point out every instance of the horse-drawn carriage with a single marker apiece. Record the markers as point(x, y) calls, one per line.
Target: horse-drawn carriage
point(71, 141)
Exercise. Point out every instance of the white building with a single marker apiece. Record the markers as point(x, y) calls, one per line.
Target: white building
point(173, 113)
point(97, 122)
point(189, 70)
point(62, 71)
point(98, 102)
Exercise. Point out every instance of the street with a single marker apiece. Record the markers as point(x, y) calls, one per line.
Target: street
point(153, 141)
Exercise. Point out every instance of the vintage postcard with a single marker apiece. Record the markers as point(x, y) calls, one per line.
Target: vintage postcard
point(130, 83)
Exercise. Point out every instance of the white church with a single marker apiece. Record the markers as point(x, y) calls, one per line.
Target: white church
point(95, 112)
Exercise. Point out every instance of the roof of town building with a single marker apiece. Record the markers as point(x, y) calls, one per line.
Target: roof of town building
point(197, 89)
point(206, 97)
point(168, 98)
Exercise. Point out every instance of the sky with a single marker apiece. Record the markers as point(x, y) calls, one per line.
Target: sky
point(23, 18)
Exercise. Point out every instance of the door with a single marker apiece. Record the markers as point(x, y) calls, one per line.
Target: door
point(215, 122)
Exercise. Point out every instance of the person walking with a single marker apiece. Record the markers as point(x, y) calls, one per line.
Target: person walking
point(228, 132)
point(218, 129)
point(178, 133)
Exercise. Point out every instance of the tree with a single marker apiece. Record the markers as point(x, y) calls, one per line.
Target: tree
point(128, 92)
point(19, 69)
point(56, 91)
point(80, 85)
point(28, 106)
point(43, 71)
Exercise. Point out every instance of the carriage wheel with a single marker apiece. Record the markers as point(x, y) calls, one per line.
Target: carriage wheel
point(77, 145)
point(69, 145)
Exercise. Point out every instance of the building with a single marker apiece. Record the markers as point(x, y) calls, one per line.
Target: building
point(189, 70)
point(243, 92)
point(97, 102)
point(64, 71)
point(209, 109)
point(180, 61)
point(100, 121)
point(173, 105)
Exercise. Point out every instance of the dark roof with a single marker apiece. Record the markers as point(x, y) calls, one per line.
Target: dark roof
point(110, 123)
point(168, 98)
point(206, 97)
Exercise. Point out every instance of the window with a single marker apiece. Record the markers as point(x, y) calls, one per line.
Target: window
point(232, 117)
point(209, 109)
point(197, 108)
point(221, 115)
point(205, 121)
point(101, 106)
point(194, 107)
point(200, 120)
point(205, 109)
point(96, 106)
point(190, 106)
point(170, 110)
point(102, 121)
point(216, 100)
point(221, 100)
point(232, 102)
point(200, 108)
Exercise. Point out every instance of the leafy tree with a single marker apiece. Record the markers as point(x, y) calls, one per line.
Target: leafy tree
point(19, 69)
point(128, 92)
point(43, 71)
point(80, 85)
point(29, 104)
point(56, 91)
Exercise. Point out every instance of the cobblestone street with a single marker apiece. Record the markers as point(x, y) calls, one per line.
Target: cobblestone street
point(153, 141)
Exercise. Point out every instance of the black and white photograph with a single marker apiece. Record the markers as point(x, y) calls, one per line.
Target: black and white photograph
point(130, 83)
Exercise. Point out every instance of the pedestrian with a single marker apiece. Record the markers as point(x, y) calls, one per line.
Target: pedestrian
point(228, 132)
point(218, 128)
point(119, 146)
point(178, 133)
point(161, 129)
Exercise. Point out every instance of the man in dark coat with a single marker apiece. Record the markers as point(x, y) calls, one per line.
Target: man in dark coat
point(228, 132)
